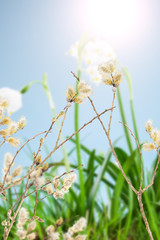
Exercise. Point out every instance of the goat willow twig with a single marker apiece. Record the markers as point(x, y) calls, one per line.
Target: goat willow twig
point(106, 69)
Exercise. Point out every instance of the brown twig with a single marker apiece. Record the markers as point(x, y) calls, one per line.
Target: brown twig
point(16, 213)
point(140, 153)
point(49, 155)
point(17, 154)
point(2, 143)
point(154, 173)
point(109, 140)
point(41, 142)
point(139, 197)
point(51, 182)
point(110, 119)
point(111, 146)
point(139, 193)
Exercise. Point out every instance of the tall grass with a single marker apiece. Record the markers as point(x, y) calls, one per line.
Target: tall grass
point(115, 215)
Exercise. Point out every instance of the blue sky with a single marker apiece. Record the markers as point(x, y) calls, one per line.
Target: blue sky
point(35, 36)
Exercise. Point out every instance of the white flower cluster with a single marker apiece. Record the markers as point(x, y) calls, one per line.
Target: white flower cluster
point(13, 99)
point(92, 53)
point(67, 182)
point(10, 100)
point(72, 234)
point(79, 226)
point(37, 175)
point(27, 233)
point(52, 234)
point(58, 192)
point(154, 135)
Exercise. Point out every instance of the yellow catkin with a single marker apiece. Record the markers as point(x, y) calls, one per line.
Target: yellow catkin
point(4, 133)
point(38, 159)
point(5, 121)
point(14, 142)
point(45, 167)
point(59, 221)
point(149, 146)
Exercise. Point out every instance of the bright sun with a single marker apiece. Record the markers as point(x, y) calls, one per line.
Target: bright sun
point(117, 18)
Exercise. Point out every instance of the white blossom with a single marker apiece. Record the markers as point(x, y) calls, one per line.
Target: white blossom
point(93, 52)
point(13, 98)
point(78, 226)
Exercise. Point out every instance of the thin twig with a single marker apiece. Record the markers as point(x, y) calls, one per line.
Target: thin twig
point(154, 174)
point(2, 143)
point(49, 155)
point(59, 134)
point(140, 153)
point(111, 146)
point(17, 154)
point(36, 202)
point(139, 197)
point(109, 125)
point(51, 181)
point(41, 142)
point(109, 140)
point(16, 213)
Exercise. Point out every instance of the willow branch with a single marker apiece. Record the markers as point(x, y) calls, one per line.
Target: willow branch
point(140, 153)
point(154, 173)
point(110, 120)
point(17, 154)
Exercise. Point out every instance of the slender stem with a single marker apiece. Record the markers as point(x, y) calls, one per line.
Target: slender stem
point(139, 197)
point(114, 154)
point(17, 154)
point(2, 143)
point(6, 234)
point(129, 81)
point(134, 120)
point(138, 193)
point(111, 146)
point(78, 150)
point(110, 120)
point(50, 154)
point(154, 173)
point(140, 153)
point(124, 121)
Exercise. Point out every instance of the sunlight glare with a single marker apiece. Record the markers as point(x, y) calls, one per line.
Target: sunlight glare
point(119, 18)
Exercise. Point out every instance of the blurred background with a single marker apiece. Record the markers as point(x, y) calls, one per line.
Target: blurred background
point(35, 37)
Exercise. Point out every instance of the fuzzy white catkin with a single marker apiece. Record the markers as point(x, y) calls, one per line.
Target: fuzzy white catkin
point(54, 236)
point(78, 226)
point(58, 194)
point(80, 237)
point(17, 171)
point(7, 159)
point(50, 229)
point(23, 215)
point(31, 226)
point(49, 189)
point(69, 179)
point(31, 236)
point(67, 236)
point(21, 233)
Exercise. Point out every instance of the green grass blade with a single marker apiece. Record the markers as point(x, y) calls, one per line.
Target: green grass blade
point(129, 215)
point(119, 185)
point(129, 81)
point(78, 151)
point(128, 138)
